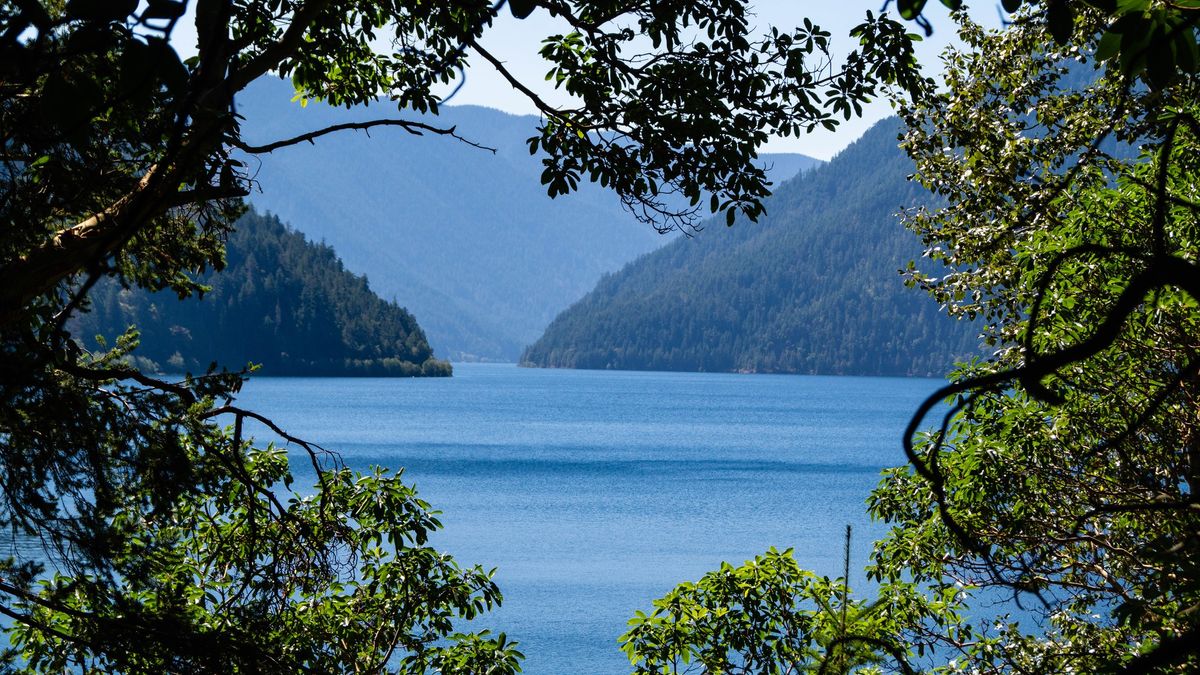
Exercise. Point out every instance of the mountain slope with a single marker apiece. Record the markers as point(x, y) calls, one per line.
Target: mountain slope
point(465, 238)
point(281, 302)
point(813, 288)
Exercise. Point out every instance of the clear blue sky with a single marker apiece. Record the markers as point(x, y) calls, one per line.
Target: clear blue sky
point(517, 42)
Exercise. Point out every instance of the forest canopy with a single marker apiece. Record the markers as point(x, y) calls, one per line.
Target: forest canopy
point(282, 303)
point(813, 288)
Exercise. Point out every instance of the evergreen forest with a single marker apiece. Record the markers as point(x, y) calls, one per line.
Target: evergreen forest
point(282, 302)
point(813, 288)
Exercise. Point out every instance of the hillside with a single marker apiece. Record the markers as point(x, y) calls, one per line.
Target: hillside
point(813, 288)
point(465, 238)
point(282, 302)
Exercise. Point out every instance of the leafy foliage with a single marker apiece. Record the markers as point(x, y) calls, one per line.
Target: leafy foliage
point(211, 582)
point(1066, 473)
point(770, 616)
point(814, 288)
point(649, 124)
point(184, 549)
point(281, 302)
point(120, 160)
point(1147, 39)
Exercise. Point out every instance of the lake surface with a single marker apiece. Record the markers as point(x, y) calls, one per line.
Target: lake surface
point(595, 492)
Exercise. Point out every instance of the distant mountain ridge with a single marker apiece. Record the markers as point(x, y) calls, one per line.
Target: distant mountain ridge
point(282, 302)
point(813, 288)
point(466, 239)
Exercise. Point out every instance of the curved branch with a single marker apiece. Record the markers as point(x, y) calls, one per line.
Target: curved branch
point(1169, 651)
point(311, 449)
point(122, 373)
point(538, 102)
point(1043, 284)
point(414, 128)
point(1168, 271)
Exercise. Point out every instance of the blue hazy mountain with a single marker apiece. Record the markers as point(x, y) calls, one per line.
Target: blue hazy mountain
point(812, 288)
point(464, 238)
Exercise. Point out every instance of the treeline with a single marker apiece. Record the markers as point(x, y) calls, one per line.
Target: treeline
point(282, 302)
point(813, 288)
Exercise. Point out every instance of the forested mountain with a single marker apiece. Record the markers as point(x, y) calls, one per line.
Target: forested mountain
point(282, 302)
point(813, 288)
point(466, 238)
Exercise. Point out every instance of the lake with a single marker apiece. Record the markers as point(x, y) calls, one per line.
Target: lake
point(594, 492)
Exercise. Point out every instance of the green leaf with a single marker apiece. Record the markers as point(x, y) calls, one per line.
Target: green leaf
point(910, 9)
point(1109, 45)
point(1135, 37)
point(1132, 6)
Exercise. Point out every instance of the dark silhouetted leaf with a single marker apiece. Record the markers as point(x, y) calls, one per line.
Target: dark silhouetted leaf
point(68, 103)
point(100, 10)
point(164, 9)
point(521, 8)
point(137, 69)
point(171, 71)
point(910, 9)
point(1061, 20)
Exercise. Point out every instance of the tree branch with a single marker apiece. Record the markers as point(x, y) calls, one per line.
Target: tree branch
point(1169, 651)
point(545, 108)
point(414, 128)
point(1162, 272)
point(270, 57)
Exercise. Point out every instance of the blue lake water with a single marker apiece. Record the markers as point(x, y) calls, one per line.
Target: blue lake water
point(594, 492)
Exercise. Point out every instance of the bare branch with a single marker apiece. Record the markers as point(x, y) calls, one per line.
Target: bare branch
point(414, 128)
point(545, 108)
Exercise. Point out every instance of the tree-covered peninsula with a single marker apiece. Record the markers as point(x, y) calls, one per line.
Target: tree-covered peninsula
point(814, 287)
point(282, 302)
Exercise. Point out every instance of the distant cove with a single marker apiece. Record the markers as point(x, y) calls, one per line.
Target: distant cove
point(595, 492)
